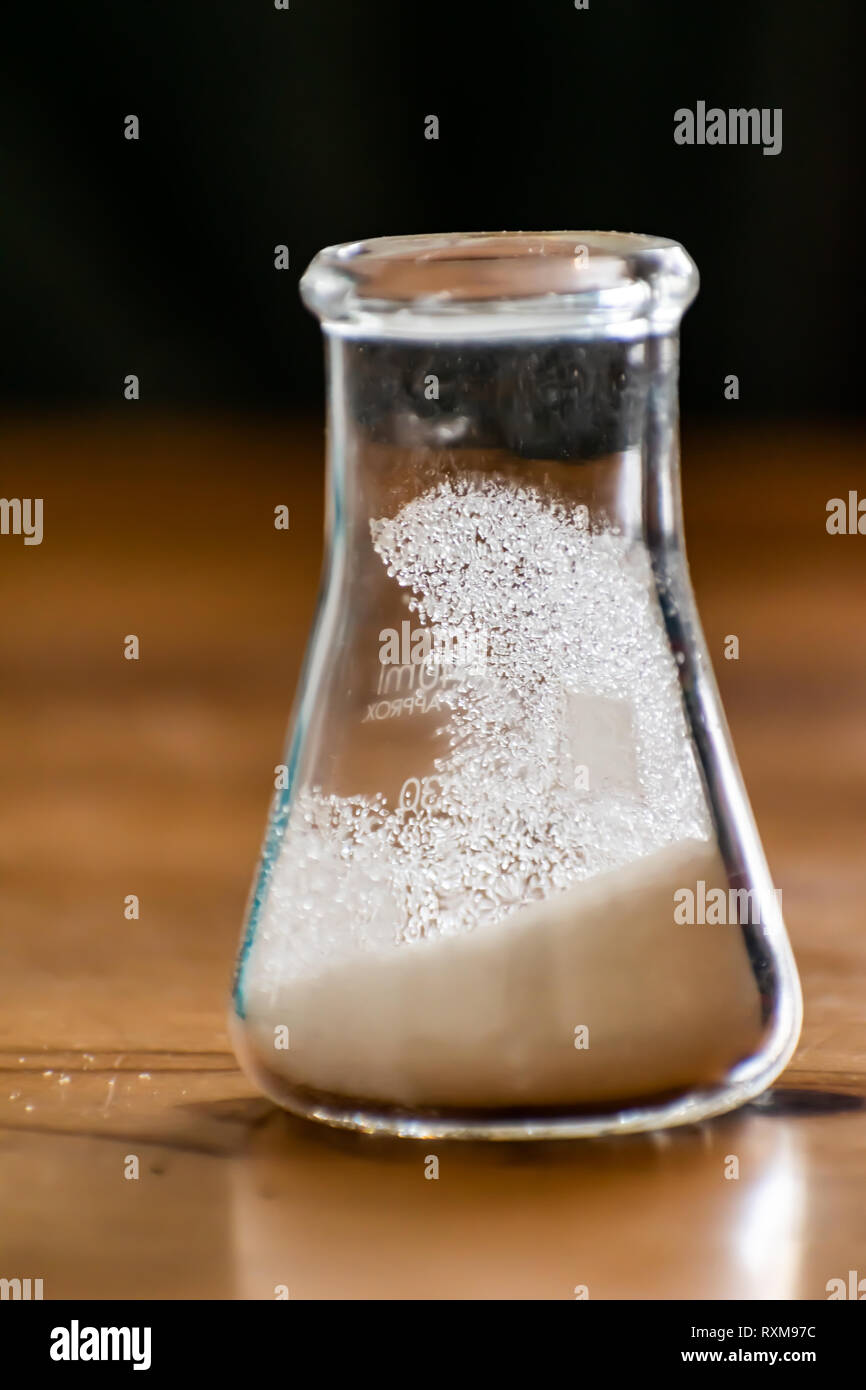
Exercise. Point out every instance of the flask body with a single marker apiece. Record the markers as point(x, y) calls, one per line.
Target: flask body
point(511, 886)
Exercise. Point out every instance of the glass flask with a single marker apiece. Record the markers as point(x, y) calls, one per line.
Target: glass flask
point(511, 887)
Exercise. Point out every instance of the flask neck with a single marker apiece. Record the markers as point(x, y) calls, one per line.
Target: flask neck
point(592, 424)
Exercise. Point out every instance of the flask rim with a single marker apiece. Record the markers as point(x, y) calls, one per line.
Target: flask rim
point(468, 284)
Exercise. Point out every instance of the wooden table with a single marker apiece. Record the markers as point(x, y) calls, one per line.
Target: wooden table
point(152, 778)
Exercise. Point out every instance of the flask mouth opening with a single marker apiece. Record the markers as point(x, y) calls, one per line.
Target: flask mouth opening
point(501, 283)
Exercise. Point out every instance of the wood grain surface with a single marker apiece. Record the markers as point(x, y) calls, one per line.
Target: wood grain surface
point(153, 778)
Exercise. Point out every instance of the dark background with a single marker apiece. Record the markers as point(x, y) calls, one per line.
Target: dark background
point(306, 127)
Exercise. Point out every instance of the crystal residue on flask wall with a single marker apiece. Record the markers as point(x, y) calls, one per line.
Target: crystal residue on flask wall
point(500, 933)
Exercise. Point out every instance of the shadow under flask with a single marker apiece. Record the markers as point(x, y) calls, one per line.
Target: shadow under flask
point(512, 887)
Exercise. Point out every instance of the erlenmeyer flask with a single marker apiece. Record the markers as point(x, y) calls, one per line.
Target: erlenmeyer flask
point(512, 886)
